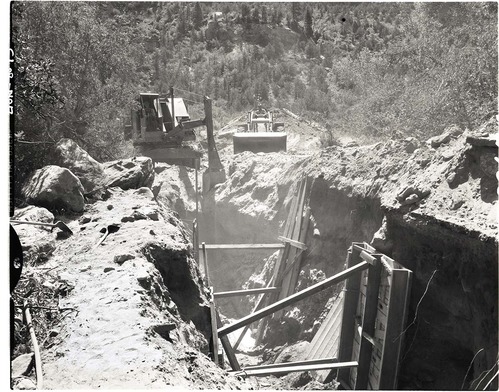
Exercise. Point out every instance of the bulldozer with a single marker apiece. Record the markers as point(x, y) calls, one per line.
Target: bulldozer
point(161, 128)
point(261, 133)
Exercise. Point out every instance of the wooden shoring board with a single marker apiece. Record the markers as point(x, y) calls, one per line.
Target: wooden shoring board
point(302, 368)
point(280, 266)
point(293, 230)
point(397, 317)
point(335, 279)
point(288, 285)
point(214, 328)
point(244, 246)
point(368, 323)
point(297, 363)
point(236, 293)
point(296, 266)
point(352, 287)
point(296, 244)
point(326, 341)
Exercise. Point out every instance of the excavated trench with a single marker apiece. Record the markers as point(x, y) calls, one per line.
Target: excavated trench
point(453, 306)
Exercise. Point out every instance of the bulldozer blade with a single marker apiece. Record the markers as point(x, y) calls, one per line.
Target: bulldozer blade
point(60, 225)
point(259, 142)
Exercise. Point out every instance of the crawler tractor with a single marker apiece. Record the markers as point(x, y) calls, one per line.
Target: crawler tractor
point(160, 128)
point(261, 133)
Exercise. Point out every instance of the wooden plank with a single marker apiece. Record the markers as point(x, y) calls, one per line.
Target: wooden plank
point(296, 244)
point(205, 263)
point(244, 246)
point(225, 294)
point(295, 270)
point(397, 316)
point(281, 263)
point(288, 285)
point(214, 334)
point(352, 287)
point(368, 323)
point(289, 369)
point(229, 351)
point(298, 363)
point(294, 298)
point(326, 341)
point(367, 257)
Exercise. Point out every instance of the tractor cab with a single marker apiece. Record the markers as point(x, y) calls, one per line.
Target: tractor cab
point(157, 116)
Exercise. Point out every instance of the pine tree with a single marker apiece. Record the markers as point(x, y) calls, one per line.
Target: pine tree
point(197, 17)
point(264, 15)
point(255, 16)
point(309, 32)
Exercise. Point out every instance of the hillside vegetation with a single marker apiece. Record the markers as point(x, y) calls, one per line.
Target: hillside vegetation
point(368, 70)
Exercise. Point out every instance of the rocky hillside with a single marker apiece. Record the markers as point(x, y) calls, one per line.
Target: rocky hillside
point(119, 303)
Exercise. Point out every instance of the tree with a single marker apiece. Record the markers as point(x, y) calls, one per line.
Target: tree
point(309, 32)
point(264, 15)
point(197, 16)
point(255, 16)
point(94, 63)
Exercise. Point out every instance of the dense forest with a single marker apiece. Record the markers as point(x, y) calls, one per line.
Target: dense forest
point(369, 70)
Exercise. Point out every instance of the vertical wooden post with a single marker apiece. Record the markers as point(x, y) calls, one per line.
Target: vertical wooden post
point(351, 298)
point(196, 166)
point(173, 108)
point(396, 319)
point(368, 323)
point(205, 264)
point(229, 351)
point(214, 328)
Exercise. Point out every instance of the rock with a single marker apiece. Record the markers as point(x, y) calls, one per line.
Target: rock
point(131, 173)
point(34, 214)
point(380, 240)
point(411, 195)
point(351, 143)
point(54, 188)
point(109, 269)
point(156, 189)
point(25, 384)
point(82, 165)
point(454, 130)
point(411, 199)
point(294, 352)
point(411, 144)
point(447, 155)
point(437, 141)
point(120, 259)
point(298, 380)
point(37, 241)
point(84, 219)
point(456, 203)
point(22, 365)
point(146, 192)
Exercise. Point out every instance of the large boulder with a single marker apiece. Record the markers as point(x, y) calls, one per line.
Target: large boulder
point(38, 242)
point(55, 188)
point(130, 173)
point(87, 169)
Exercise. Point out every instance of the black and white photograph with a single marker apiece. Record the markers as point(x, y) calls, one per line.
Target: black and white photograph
point(252, 195)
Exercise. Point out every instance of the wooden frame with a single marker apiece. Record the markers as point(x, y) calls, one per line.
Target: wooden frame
point(374, 317)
